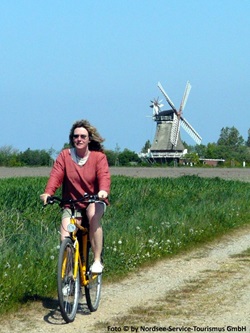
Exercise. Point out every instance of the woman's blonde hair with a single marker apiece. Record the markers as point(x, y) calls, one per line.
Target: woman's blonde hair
point(95, 138)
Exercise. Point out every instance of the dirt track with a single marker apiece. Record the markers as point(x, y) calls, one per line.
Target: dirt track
point(207, 289)
point(234, 173)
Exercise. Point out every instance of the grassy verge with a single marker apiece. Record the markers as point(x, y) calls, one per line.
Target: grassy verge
point(148, 219)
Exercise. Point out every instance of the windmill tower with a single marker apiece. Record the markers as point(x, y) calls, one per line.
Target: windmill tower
point(167, 141)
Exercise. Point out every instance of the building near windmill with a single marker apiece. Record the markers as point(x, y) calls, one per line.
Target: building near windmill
point(167, 145)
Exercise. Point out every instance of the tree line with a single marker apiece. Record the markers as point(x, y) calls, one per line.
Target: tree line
point(230, 147)
point(11, 157)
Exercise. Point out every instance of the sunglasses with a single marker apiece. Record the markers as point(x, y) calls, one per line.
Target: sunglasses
point(82, 136)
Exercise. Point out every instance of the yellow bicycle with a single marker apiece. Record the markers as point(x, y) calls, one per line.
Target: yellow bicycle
point(75, 258)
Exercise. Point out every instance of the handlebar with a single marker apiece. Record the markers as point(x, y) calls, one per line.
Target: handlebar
point(86, 198)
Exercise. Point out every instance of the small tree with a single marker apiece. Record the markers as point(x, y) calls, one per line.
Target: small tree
point(9, 156)
point(127, 157)
point(35, 157)
point(192, 158)
point(117, 153)
point(111, 157)
point(248, 139)
point(230, 137)
point(201, 150)
point(146, 147)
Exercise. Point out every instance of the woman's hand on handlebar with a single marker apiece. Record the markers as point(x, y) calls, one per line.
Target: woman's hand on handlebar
point(44, 197)
point(102, 194)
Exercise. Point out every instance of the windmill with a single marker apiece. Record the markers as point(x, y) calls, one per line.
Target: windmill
point(167, 141)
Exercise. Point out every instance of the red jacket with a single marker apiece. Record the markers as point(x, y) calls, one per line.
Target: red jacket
point(76, 180)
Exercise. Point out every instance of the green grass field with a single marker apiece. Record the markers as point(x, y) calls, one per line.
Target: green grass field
point(148, 219)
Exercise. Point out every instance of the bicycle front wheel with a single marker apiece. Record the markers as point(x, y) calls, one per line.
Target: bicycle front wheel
point(93, 288)
point(68, 288)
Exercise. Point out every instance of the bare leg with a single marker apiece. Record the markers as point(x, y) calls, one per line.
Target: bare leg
point(94, 213)
point(65, 223)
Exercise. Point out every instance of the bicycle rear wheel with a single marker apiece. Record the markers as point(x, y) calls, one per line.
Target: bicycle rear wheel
point(68, 288)
point(93, 288)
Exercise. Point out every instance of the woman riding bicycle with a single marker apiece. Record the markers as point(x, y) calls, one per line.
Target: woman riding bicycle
point(83, 168)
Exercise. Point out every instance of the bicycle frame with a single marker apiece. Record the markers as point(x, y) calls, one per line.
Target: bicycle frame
point(80, 262)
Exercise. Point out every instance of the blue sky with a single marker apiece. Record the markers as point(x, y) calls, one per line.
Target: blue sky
point(101, 60)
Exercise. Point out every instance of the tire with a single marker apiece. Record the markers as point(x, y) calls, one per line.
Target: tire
point(68, 289)
point(93, 288)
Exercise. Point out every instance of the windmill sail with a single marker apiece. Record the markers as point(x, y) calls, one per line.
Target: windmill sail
point(175, 130)
point(191, 131)
point(185, 97)
point(167, 97)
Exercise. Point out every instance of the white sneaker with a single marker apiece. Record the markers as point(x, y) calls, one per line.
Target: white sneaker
point(97, 267)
